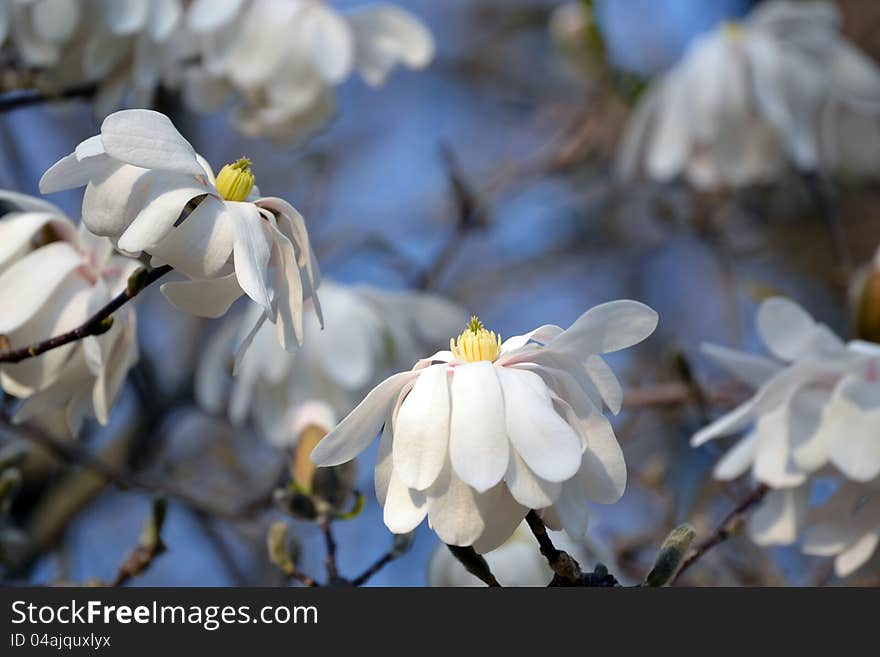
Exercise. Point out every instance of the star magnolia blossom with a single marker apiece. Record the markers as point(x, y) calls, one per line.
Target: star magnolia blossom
point(517, 562)
point(476, 436)
point(281, 59)
point(141, 178)
point(334, 368)
point(53, 276)
point(38, 29)
point(782, 87)
point(817, 403)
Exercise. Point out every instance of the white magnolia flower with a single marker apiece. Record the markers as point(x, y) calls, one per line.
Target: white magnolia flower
point(141, 175)
point(781, 87)
point(281, 59)
point(53, 276)
point(369, 334)
point(476, 436)
point(517, 562)
point(817, 403)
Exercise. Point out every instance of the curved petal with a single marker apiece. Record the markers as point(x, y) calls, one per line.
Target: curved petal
point(776, 521)
point(108, 203)
point(421, 435)
point(148, 139)
point(503, 515)
point(857, 555)
point(608, 327)
point(606, 382)
point(748, 368)
point(478, 445)
point(547, 444)
point(385, 35)
point(850, 427)
point(209, 15)
point(28, 283)
point(360, 427)
point(788, 330)
point(527, 488)
point(454, 511)
point(737, 460)
point(404, 508)
point(204, 298)
point(329, 41)
point(251, 251)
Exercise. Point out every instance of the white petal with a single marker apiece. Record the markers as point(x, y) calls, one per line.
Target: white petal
point(857, 555)
point(503, 515)
point(421, 435)
point(360, 427)
point(602, 474)
point(737, 460)
point(572, 510)
point(288, 293)
point(386, 35)
point(148, 139)
point(329, 41)
point(28, 283)
point(528, 489)
point(251, 251)
point(200, 246)
point(17, 230)
point(55, 20)
point(454, 511)
point(788, 331)
point(208, 15)
point(109, 205)
point(608, 327)
point(548, 445)
point(126, 16)
point(748, 368)
point(384, 462)
point(404, 509)
point(851, 428)
point(606, 382)
point(773, 459)
point(203, 298)
point(776, 520)
point(478, 445)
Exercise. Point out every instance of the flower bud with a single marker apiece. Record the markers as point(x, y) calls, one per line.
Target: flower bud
point(866, 302)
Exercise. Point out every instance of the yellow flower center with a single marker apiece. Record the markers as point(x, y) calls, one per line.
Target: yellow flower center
point(235, 181)
point(476, 343)
point(732, 29)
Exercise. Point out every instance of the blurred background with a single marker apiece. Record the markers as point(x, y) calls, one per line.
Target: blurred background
point(514, 130)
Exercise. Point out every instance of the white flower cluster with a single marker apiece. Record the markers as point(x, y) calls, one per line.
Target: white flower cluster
point(53, 276)
point(815, 413)
point(277, 61)
point(783, 88)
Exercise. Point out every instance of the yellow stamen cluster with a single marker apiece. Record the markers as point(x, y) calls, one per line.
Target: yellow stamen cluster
point(476, 343)
point(235, 181)
point(732, 29)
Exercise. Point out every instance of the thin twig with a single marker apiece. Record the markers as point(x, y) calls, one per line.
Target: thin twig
point(13, 100)
point(725, 530)
point(330, 542)
point(97, 324)
point(303, 579)
point(380, 563)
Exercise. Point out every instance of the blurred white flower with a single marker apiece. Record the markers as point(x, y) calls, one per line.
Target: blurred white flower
point(141, 176)
point(817, 404)
point(476, 436)
point(782, 87)
point(517, 562)
point(54, 276)
point(847, 527)
point(281, 59)
point(369, 333)
point(38, 29)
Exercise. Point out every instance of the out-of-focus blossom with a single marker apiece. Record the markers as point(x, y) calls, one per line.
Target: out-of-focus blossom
point(865, 300)
point(517, 562)
point(816, 405)
point(280, 60)
point(476, 436)
point(369, 333)
point(782, 88)
point(53, 276)
point(38, 29)
point(148, 190)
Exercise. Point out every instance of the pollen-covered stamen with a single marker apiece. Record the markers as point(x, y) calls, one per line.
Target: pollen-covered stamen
point(235, 181)
point(476, 343)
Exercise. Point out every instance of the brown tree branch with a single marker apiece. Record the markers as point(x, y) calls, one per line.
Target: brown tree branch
point(725, 530)
point(97, 324)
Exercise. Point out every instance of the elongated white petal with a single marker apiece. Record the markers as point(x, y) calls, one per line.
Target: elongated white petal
point(789, 331)
point(850, 427)
point(360, 427)
point(857, 555)
point(205, 298)
point(288, 293)
point(17, 230)
point(572, 510)
point(503, 515)
point(384, 462)
point(251, 250)
point(776, 520)
point(328, 38)
point(748, 368)
point(421, 435)
point(208, 15)
point(608, 327)
point(454, 511)
point(108, 204)
point(737, 460)
point(606, 382)
point(28, 283)
point(387, 35)
point(148, 139)
point(773, 463)
point(548, 445)
point(527, 488)
point(404, 508)
point(478, 445)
